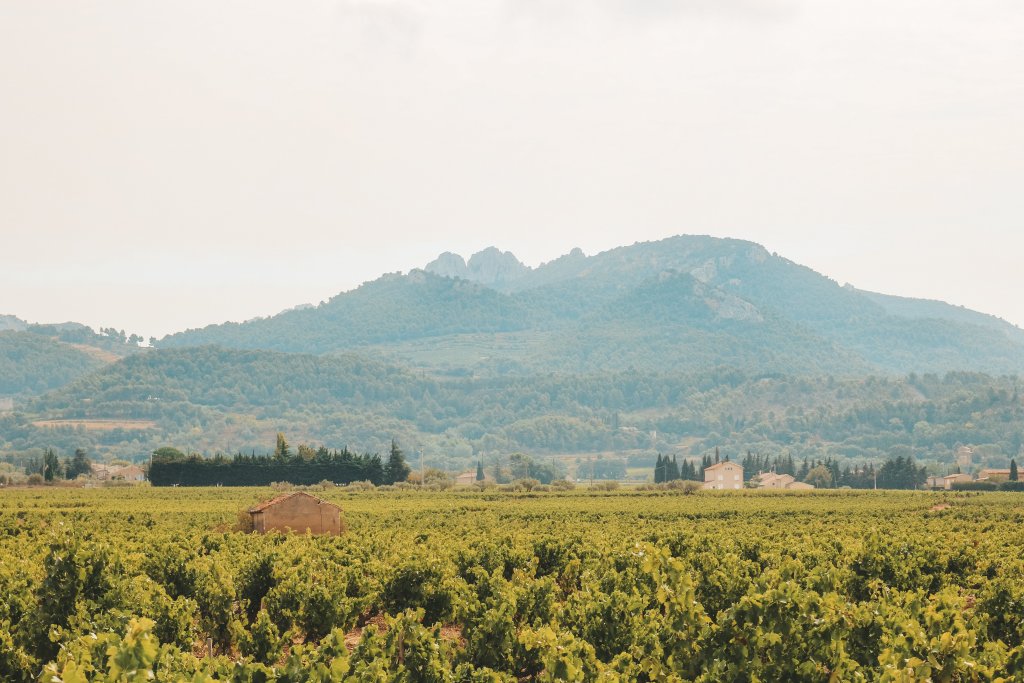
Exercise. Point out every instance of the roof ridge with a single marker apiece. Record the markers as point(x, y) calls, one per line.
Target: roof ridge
point(260, 507)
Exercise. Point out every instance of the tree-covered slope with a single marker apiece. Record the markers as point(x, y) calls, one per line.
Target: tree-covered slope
point(687, 303)
point(215, 399)
point(32, 364)
point(391, 308)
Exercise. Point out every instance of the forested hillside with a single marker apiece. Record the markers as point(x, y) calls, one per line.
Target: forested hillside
point(677, 346)
point(688, 303)
point(37, 358)
point(213, 399)
point(32, 364)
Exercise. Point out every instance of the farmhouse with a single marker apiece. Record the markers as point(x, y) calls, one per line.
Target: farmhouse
point(771, 480)
point(994, 475)
point(297, 511)
point(950, 479)
point(128, 473)
point(466, 478)
point(724, 475)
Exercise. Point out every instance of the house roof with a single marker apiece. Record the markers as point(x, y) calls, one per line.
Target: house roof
point(772, 476)
point(280, 499)
point(722, 464)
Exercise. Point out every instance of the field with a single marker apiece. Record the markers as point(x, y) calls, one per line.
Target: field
point(96, 584)
point(96, 425)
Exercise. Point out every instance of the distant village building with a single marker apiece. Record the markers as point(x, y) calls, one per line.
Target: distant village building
point(102, 472)
point(964, 457)
point(993, 475)
point(950, 479)
point(299, 512)
point(6, 405)
point(129, 473)
point(466, 478)
point(724, 475)
point(771, 480)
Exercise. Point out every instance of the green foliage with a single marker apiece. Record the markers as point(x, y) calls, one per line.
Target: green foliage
point(33, 364)
point(78, 465)
point(51, 465)
point(396, 469)
point(122, 584)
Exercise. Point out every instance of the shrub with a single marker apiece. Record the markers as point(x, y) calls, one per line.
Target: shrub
point(35, 479)
point(976, 486)
point(244, 521)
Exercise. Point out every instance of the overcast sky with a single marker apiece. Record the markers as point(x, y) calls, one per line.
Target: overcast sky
point(166, 165)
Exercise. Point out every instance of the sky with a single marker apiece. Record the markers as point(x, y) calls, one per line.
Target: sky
point(167, 165)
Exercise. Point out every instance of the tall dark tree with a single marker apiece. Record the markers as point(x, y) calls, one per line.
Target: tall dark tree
point(671, 469)
point(659, 470)
point(51, 465)
point(479, 471)
point(396, 468)
point(79, 464)
point(1013, 470)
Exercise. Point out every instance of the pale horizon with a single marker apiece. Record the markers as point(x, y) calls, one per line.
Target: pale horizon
point(168, 166)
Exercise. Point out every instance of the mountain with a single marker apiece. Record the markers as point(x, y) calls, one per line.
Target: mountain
point(392, 308)
point(37, 358)
point(33, 364)
point(687, 303)
point(12, 323)
point(214, 399)
point(490, 267)
point(681, 345)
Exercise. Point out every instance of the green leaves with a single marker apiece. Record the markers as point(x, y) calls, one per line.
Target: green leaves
point(476, 587)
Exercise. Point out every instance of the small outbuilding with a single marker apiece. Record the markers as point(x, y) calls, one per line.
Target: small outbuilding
point(297, 511)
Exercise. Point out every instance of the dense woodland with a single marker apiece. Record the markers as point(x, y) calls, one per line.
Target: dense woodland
point(675, 347)
point(217, 400)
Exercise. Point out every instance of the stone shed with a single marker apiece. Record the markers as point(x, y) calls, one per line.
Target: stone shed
point(297, 511)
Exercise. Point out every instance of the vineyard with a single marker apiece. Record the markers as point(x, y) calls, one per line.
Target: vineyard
point(132, 584)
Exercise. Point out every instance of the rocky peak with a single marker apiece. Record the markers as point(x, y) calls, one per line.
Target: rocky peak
point(495, 267)
point(448, 265)
point(10, 322)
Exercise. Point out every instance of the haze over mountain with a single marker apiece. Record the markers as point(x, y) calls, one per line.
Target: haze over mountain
point(687, 303)
point(681, 345)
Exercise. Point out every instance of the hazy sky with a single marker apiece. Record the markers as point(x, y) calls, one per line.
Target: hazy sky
point(170, 164)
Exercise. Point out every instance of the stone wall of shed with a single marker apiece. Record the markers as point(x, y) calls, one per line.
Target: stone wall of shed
point(299, 513)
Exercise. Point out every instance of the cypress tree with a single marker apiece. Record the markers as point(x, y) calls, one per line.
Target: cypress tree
point(659, 470)
point(396, 468)
point(479, 471)
point(1013, 470)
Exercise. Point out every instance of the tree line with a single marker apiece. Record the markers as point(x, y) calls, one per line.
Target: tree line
point(305, 466)
point(895, 473)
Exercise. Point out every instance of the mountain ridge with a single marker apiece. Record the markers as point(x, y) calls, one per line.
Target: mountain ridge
point(492, 292)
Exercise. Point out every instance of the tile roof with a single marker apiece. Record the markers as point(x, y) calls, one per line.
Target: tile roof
point(724, 462)
point(285, 496)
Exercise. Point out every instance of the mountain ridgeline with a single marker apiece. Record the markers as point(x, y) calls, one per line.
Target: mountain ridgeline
point(680, 346)
point(687, 303)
